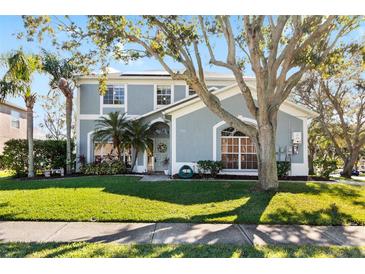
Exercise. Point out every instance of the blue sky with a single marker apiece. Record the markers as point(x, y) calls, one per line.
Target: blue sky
point(10, 25)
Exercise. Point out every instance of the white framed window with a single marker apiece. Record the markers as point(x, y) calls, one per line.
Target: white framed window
point(237, 150)
point(163, 95)
point(15, 119)
point(114, 95)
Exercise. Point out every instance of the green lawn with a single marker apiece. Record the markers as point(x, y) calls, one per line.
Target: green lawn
point(99, 250)
point(115, 198)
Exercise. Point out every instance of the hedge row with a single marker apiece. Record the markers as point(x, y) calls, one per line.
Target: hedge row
point(47, 154)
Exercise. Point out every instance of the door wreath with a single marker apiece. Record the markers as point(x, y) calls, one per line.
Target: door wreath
point(162, 148)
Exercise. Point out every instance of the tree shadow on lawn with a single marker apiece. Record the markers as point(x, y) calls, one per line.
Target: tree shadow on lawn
point(203, 192)
point(182, 192)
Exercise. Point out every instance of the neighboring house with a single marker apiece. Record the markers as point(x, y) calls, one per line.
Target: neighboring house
point(185, 130)
point(13, 123)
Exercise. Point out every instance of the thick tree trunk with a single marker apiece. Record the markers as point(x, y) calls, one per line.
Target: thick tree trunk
point(30, 142)
point(310, 164)
point(266, 153)
point(68, 134)
point(350, 163)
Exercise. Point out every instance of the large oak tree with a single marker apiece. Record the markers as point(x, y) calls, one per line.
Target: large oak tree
point(278, 49)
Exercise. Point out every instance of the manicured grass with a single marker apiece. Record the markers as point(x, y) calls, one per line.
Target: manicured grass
point(119, 198)
point(100, 250)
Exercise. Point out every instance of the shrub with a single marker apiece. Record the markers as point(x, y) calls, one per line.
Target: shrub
point(104, 168)
point(47, 154)
point(283, 167)
point(209, 167)
point(325, 167)
point(2, 164)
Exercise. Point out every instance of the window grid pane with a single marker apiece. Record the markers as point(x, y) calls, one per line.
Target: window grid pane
point(114, 96)
point(163, 95)
point(237, 148)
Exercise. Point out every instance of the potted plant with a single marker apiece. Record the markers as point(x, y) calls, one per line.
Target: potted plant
point(166, 165)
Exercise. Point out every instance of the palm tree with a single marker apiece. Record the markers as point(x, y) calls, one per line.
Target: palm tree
point(137, 136)
point(17, 81)
point(111, 127)
point(62, 73)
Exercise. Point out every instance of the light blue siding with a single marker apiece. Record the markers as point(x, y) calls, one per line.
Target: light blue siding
point(107, 110)
point(194, 131)
point(140, 99)
point(179, 92)
point(89, 99)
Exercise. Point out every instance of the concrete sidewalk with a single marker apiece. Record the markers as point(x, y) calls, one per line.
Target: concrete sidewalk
point(166, 233)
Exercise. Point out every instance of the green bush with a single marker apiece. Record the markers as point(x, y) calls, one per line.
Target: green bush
point(283, 167)
point(324, 167)
point(209, 167)
point(47, 154)
point(104, 168)
point(2, 164)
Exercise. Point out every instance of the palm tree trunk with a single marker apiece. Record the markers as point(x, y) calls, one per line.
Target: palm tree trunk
point(30, 140)
point(134, 158)
point(68, 134)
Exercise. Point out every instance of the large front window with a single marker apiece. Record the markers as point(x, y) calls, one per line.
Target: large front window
point(237, 150)
point(114, 95)
point(163, 95)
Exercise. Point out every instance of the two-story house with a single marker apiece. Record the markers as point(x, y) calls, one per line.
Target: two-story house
point(13, 123)
point(185, 130)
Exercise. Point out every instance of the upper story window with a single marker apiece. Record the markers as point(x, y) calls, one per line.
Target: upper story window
point(15, 119)
point(114, 95)
point(163, 95)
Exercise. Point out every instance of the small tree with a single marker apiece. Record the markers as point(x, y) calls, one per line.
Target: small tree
point(63, 73)
point(54, 117)
point(337, 93)
point(111, 127)
point(137, 137)
point(17, 82)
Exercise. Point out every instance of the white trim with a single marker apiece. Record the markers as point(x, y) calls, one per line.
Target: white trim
point(215, 127)
point(173, 145)
point(88, 160)
point(142, 168)
point(97, 116)
point(90, 116)
point(157, 120)
point(186, 91)
point(172, 97)
point(101, 104)
point(158, 79)
point(243, 172)
point(196, 103)
point(77, 128)
point(113, 105)
point(126, 98)
point(154, 97)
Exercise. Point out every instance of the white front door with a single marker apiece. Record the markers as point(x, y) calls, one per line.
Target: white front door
point(161, 154)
